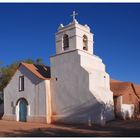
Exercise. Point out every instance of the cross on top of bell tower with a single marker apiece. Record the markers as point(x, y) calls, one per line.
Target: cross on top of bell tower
point(74, 14)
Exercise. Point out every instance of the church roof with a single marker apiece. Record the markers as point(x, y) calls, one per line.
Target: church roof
point(41, 71)
point(120, 88)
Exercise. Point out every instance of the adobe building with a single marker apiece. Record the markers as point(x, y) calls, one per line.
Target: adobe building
point(76, 91)
point(27, 95)
point(126, 99)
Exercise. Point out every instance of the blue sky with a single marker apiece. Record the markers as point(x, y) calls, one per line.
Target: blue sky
point(28, 31)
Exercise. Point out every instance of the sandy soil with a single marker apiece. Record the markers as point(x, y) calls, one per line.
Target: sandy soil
point(116, 128)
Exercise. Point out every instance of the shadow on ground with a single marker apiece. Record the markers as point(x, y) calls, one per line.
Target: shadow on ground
point(119, 128)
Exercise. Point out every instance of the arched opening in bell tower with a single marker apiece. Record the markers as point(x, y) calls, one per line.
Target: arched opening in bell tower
point(85, 43)
point(65, 42)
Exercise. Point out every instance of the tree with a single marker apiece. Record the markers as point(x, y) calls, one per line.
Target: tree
point(39, 61)
point(6, 74)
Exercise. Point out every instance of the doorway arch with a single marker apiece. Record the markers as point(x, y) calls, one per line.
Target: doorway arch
point(22, 113)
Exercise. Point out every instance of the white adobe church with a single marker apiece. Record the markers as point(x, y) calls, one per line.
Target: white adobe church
point(76, 91)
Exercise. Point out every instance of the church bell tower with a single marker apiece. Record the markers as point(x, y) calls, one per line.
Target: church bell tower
point(74, 36)
point(80, 85)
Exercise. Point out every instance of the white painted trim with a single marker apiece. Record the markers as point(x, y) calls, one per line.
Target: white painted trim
point(28, 110)
point(17, 112)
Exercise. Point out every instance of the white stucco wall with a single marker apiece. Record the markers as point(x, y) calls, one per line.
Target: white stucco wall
point(127, 110)
point(81, 93)
point(124, 111)
point(34, 92)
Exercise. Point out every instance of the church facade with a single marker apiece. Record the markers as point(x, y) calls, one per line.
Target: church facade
point(27, 96)
point(77, 91)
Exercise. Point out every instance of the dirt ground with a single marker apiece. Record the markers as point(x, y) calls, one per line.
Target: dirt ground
point(118, 128)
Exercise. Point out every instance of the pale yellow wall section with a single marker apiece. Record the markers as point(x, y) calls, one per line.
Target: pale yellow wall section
point(48, 102)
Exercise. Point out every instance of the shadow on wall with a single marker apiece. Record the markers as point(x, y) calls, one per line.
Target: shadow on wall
point(108, 110)
point(1, 109)
point(90, 112)
point(1, 105)
point(85, 107)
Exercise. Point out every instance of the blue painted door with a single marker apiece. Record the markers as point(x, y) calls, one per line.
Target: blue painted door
point(22, 111)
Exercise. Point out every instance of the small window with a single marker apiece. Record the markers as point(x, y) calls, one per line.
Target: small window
point(65, 41)
point(21, 83)
point(85, 43)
